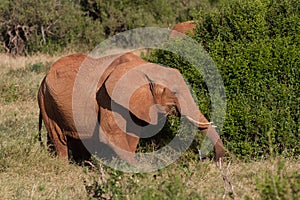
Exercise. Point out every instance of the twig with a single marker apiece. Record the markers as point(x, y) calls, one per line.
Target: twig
point(91, 164)
point(102, 174)
point(200, 154)
point(226, 179)
point(100, 169)
point(43, 40)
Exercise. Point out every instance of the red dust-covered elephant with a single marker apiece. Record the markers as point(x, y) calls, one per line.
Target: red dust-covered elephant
point(151, 98)
point(183, 28)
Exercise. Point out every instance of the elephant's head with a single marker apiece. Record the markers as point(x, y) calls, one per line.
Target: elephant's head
point(146, 89)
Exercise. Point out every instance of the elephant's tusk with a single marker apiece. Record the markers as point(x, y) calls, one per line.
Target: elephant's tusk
point(198, 123)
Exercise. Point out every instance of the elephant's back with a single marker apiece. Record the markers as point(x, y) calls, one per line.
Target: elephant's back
point(60, 78)
point(63, 67)
point(182, 28)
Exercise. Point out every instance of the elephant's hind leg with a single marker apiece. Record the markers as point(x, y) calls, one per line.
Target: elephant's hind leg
point(57, 139)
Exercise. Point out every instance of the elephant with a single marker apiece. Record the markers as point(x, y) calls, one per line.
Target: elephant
point(182, 28)
point(149, 98)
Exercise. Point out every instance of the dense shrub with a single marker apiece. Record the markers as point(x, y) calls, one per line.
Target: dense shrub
point(256, 46)
point(122, 15)
point(29, 26)
point(46, 26)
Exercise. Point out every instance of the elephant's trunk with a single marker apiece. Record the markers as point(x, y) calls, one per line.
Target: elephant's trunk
point(191, 112)
point(211, 134)
point(215, 139)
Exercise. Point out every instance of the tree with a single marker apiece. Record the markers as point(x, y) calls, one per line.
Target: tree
point(33, 25)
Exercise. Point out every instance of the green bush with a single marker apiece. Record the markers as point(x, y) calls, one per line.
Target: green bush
point(29, 26)
point(45, 26)
point(256, 47)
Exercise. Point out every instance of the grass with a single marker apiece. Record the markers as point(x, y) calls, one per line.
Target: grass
point(28, 171)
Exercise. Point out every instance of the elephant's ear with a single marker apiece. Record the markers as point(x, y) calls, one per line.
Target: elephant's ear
point(132, 90)
point(142, 105)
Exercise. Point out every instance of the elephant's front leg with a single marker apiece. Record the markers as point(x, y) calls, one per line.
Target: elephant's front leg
point(124, 144)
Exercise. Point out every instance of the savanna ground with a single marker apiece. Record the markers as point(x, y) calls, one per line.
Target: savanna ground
point(28, 171)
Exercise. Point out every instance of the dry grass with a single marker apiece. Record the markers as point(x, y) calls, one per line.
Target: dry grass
point(28, 172)
point(11, 62)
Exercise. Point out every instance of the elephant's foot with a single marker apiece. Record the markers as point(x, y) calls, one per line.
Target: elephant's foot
point(125, 155)
point(62, 152)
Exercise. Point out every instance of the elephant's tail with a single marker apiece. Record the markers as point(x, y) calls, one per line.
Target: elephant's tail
point(40, 128)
